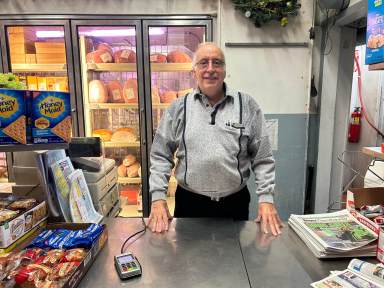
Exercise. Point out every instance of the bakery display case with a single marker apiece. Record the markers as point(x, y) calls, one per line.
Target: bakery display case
point(111, 103)
point(131, 71)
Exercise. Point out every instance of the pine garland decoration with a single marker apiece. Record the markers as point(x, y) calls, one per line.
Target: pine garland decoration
point(261, 12)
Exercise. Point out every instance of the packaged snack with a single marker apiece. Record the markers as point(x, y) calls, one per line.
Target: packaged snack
point(52, 258)
point(84, 238)
point(63, 270)
point(4, 203)
point(47, 284)
point(39, 241)
point(22, 204)
point(32, 273)
point(6, 214)
point(13, 117)
point(32, 253)
point(51, 117)
point(77, 254)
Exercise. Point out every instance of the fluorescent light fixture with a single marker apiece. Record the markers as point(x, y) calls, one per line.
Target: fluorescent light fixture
point(100, 33)
point(50, 34)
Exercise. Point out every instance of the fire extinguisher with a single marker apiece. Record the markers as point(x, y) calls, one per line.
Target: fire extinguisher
point(355, 126)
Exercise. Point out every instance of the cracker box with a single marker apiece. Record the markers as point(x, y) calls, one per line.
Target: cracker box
point(50, 117)
point(375, 32)
point(13, 117)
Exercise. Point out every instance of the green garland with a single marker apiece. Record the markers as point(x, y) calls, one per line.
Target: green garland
point(263, 11)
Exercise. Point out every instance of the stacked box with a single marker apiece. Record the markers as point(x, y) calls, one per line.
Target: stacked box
point(50, 117)
point(13, 117)
point(375, 32)
point(50, 52)
point(21, 44)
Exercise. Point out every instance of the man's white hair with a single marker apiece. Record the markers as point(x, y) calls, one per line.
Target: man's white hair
point(202, 45)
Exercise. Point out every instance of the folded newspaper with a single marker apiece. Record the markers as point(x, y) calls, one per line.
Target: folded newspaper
point(337, 234)
point(359, 274)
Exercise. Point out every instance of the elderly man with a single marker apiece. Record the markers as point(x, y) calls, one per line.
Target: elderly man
point(219, 135)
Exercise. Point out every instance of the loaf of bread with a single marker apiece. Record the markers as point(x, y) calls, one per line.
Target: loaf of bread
point(115, 92)
point(158, 58)
point(106, 47)
point(178, 57)
point(124, 56)
point(124, 135)
point(97, 92)
point(133, 170)
point(129, 160)
point(104, 134)
point(155, 95)
point(168, 96)
point(99, 56)
point(122, 171)
point(130, 91)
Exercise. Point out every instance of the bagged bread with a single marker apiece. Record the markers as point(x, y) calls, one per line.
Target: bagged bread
point(104, 134)
point(130, 91)
point(99, 56)
point(155, 95)
point(115, 92)
point(97, 92)
point(106, 47)
point(133, 170)
point(178, 57)
point(124, 135)
point(122, 171)
point(168, 96)
point(158, 58)
point(124, 56)
point(129, 160)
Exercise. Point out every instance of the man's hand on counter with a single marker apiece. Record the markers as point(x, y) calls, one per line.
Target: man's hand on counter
point(160, 216)
point(269, 219)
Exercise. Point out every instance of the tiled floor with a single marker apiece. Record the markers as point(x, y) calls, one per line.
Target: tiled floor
point(131, 210)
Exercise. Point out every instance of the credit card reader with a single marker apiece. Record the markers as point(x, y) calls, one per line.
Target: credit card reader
point(127, 266)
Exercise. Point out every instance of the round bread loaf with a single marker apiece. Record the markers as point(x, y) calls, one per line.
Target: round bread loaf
point(115, 92)
point(124, 56)
point(158, 58)
point(168, 96)
point(104, 134)
point(130, 91)
point(99, 56)
point(97, 92)
point(178, 57)
point(129, 160)
point(122, 171)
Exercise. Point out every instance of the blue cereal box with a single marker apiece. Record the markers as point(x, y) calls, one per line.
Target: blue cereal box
point(13, 117)
point(51, 117)
point(375, 32)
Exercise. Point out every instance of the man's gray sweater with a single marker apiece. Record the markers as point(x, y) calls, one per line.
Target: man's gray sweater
point(215, 147)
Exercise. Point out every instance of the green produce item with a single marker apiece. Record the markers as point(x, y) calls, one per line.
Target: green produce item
point(9, 80)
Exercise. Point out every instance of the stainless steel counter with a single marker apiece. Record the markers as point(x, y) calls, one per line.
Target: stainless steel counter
point(209, 253)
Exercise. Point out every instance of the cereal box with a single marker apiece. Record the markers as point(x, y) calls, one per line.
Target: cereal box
point(13, 117)
point(375, 32)
point(51, 117)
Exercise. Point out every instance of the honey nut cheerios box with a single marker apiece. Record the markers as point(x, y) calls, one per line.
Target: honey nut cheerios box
point(13, 117)
point(50, 117)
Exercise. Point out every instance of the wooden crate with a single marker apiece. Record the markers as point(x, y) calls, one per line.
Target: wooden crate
point(50, 47)
point(50, 58)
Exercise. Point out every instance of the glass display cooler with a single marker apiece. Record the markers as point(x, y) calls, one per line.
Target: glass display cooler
point(131, 71)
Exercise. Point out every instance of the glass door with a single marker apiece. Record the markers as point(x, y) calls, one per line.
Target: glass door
point(110, 58)
point(169, 48)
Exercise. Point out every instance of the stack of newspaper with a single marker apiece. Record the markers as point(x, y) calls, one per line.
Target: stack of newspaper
point(359, 274)
point(332, 235)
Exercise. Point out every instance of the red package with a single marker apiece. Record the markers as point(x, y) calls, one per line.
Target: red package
point(47, 284)
point(63, 270)
point(53, 257)
point(32, 273)
point(33, 253)
point(77, 254)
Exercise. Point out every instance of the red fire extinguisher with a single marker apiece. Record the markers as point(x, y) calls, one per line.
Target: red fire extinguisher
point(355, 126)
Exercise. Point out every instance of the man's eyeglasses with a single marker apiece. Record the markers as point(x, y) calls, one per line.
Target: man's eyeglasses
point(216, 63)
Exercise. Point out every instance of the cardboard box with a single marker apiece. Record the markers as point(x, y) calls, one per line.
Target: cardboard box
point(13, 117)
point(50, 58)
point(30, 58)
point(375, 38)
point(50, 117)
point(14, 229)
point(22, 48)
point(50, 47)
point(26, 175)
point(17, 58)
point(366, 196)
